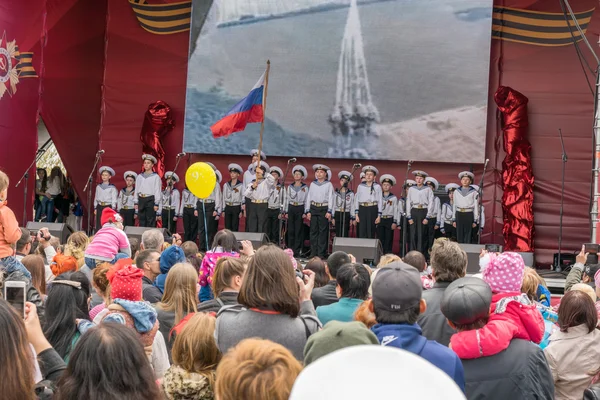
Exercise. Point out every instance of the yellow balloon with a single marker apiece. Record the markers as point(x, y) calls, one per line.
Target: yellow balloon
point(200, 179)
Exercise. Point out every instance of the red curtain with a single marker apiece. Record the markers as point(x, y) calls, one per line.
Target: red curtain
point(517, 174)
point(157, 124)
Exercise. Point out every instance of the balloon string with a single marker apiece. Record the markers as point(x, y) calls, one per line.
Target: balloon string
point(205, 228)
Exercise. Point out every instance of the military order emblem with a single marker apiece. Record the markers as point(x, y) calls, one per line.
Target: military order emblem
point(13, 66)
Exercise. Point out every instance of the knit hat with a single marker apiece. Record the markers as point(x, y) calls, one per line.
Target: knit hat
point(337, 335)
point(110, 215)
point(466, 300)
point(171, 256)
point(504, 272)
point(61, 264)
point(125, 281)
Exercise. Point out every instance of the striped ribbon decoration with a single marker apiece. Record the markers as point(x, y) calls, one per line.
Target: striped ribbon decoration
point(163, 19)
point(537, 28)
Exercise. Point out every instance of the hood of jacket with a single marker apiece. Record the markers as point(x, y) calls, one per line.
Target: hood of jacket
point(402, 336)
point(181, 384)
point(143, 314)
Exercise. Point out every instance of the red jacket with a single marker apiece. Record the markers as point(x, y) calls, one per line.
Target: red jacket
point(512, 316)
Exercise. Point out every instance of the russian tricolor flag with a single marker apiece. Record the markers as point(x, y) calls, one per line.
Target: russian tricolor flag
point(248, 110)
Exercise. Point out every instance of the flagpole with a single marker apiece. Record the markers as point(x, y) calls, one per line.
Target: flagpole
point(264, 106)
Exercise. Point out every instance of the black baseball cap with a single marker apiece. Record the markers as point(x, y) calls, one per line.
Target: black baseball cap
point(466, 300)
point(397, 287)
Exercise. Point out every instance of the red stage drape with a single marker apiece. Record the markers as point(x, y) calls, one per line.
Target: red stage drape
point(517, 174)
point(157, 124)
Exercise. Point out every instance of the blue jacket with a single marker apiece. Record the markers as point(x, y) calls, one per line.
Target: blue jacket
point(409, 338)
point(342, 311)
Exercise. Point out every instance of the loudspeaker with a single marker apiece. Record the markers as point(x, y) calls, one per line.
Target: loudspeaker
point(366, 251)
point(61, 231)
point(137, 232)
point(257, 239)
point(473, 251)
point(528, 259)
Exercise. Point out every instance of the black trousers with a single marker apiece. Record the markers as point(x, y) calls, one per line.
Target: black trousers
point(319, 232)
point(464, 226)
point(167, 220)
point(404, 231)
point(450, 231)
point(190, 224)
point(211, 225)
point(232, 218)
point(342, 221)
point(272, 225)
point(257, 217)
point(128, 217)
point(418, 231)
point(146, 213)
point(430, 234)
point(295, 229)
point(99, 210)
point(248, 206)
point(367, 216)
point(475, 237)
point(386, 234)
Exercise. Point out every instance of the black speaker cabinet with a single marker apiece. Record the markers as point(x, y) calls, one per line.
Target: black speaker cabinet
point(473, 251)
point(257, 239)
point(137, 232)
point(61, 231)
point(366, 251)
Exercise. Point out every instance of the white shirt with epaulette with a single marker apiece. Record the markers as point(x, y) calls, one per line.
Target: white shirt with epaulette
point(215, 197)
point(126, 199)
point(233, 194)
point(338, 201)
point(319, 193)
point(276, 197)
point(372, 194)
point(188, 200)
point(106, 195)
point(263, 189)
point(419, 197)
point(174, 198)
point(466, 200)
point(148, 185)
point(389, 205)
point(295, 196)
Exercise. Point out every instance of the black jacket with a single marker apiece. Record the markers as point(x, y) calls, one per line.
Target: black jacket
point(52, 367)
point(32, 295)
point(227, 299)
point(432, 321)
point(325, 295)
point(592, 393)
point(150, 293)
point(519, 372)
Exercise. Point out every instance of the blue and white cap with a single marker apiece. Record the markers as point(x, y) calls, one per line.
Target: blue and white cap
point(235, 167)
point(149, 157)
point(371, 168)
point(219, 176)
point(387, 178)
point(345, 175)
point(436, 184)
point(300, 168)
point(466, 173)
point(129, 174)
point(172, 175)
point(106, 169)
point(254, 152)
point(422, 174)
point(278, 170)
point(451, 187)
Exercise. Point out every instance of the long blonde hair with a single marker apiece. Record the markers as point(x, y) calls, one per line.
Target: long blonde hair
point(195, 349)
point(76, 246)
point(180, 291)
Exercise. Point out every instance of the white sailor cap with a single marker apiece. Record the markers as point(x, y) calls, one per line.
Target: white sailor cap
point(172, 174)
point(387, 178)
point(254, 152)
point(149, 157)
point(301, 169)
point(219, 176)
point(128, 174)
point(371, 168)
point(235, 167)
point(263, 165)
point(420, 173)
point(410, 182)
point(345, 175)
point(451, 186)
point(278, 170)
point(328, 174)
point(106, 169)
point(317, 167)
point(466, 173)
point(211, 165)
point(362, 175)
point(436, 184)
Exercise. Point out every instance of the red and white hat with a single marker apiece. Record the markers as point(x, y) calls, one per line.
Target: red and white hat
point(110, 215)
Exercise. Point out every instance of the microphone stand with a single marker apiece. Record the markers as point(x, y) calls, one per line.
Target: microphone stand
point(480, 203)
point(25, 176)
point(281, 200)
point(354, 168)
point(89, 193)
point(404, 222)
point(169, 180)
point(562, 197)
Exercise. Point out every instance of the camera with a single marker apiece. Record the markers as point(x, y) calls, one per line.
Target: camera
point(492, 248)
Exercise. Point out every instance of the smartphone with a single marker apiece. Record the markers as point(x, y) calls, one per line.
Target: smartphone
point(492, 248)
point(14, 293)
point(240, 245)
point(591, 248)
